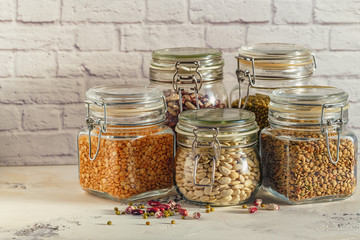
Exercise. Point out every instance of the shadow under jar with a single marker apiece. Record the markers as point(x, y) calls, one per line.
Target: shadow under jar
point(307, 154)
point(217, 156)
point(190, 78)
point(127, 152)
point(264, 67)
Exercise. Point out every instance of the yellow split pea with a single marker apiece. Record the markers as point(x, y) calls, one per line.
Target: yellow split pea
point(127, 166)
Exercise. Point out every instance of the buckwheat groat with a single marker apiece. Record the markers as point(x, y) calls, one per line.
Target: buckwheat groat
point(300, 169)
point(307, 153)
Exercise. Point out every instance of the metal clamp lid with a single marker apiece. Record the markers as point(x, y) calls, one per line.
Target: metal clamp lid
point(241, 78)
point(91, 123)
point(324, 128)
point(242, 75)
point(215, 145)
point(197, 82)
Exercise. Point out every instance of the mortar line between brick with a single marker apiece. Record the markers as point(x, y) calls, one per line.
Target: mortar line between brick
point(272, 12)
point(313, 12)
point(61, 11)
point(15, 14)
point(188, 11)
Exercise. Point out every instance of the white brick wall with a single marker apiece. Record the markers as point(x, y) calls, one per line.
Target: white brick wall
point(52, 51)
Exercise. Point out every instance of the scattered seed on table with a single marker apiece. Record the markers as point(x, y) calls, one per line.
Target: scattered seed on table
point(257, 202)
point(116, 209)
point(183, 217)
point(173, 222)
point(109, 223)
point(137, 212)
point(153, 203)
point(172, 204)
point(252, 209)
point(272, 207)
point(244, 206)
point(196, 215)
point(212, 209)
point(208, 206)
point(207, 210)
point(147, 223)
point(117, 212)
point(183, 212)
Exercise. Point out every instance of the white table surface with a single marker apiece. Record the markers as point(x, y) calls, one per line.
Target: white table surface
point(48, 203)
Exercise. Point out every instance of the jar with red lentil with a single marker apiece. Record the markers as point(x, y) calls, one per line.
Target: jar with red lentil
point(217, 159)
point(264, 67)
point(190, 78)
point(126, 153)
point(307, 153)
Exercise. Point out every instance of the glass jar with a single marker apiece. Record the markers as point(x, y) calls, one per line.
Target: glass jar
point(307, 153)
point(265, 67)
point(217, 156)
point(190, 78)
point(127, 152)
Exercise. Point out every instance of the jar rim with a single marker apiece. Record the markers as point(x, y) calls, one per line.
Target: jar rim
point(309, 95)
point(118, 94)
point(202, 63)
point(229, 121)
point(275, 51)
point(308, 106)
point(276, 61)
point(126, 105)
point(186, 54)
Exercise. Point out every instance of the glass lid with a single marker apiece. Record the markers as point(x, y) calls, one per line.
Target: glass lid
point(307, 105)
point(309, 95)
point(123, 94)
point(186, 54)
point(217, 117)
point(275, 51)
point(126, 104)
point(228, 120)
point(206, 64)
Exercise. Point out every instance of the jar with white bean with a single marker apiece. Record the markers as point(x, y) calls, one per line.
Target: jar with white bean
point(217, 159)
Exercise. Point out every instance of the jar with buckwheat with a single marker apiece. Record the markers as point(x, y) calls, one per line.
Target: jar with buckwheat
point(307, 153)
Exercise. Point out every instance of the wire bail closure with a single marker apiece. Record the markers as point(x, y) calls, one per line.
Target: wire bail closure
point(242, 75)
point(179, 78)
point(91, 123)
point(324, 128)
point(215, 145)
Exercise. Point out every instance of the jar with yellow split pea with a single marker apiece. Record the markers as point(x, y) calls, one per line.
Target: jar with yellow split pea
point(264, 67)
point(307, 153)
point(126, 152)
